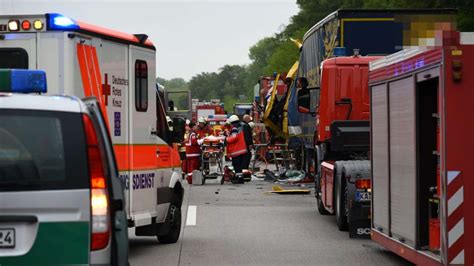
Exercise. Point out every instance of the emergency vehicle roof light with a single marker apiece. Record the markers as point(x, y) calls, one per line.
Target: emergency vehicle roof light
point(22, 81)
point(60, 22)
point(339, 51)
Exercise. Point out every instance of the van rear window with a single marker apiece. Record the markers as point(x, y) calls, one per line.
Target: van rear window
point(42, 150)
point(13, 58)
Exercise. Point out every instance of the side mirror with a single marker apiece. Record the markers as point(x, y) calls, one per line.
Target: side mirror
point(179, 129)
point(304, 100)
point(308, 100)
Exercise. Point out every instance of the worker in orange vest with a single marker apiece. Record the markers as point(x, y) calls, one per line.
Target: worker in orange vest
point(236, 147)
point(193, 153)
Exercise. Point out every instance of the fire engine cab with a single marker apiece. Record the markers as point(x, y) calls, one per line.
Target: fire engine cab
point(119, 69)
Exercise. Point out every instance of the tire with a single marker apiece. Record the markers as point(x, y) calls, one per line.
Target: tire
point(319, 201)
point(340, 205)
point(321, 208)
point(174, 215)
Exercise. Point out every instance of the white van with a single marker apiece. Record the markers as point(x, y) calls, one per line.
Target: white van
point(119, 69)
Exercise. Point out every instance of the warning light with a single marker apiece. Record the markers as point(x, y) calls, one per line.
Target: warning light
point(26, 25)
point(60, 22)
point(22, 81)
point(14, 25)
point(38, 25)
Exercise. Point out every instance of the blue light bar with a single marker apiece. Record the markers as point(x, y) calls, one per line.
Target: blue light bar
point(339, 51)
point(60, 22)
point(22, 81)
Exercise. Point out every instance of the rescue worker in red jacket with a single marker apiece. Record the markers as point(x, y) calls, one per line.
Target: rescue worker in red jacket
point(193, 153)
point(236, 147)
point(203, 129)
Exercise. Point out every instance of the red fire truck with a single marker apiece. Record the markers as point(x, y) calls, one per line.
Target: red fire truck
point(206, 109)
point(341, 108)
point(422, 128)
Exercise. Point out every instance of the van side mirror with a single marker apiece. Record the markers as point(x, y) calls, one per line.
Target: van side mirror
point(308, 100)
point(179, 129)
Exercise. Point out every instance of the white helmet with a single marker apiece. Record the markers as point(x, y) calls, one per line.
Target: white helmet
point(232, 119)
point(251, 124)
point(188, 121)
point(201, 120)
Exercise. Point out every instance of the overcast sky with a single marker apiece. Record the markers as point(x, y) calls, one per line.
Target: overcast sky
point(191, 36)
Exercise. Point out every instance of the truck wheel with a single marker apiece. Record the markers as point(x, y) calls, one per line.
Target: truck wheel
point(174, 214)
point(319, 201)
point(341, 217)
point(321, 208)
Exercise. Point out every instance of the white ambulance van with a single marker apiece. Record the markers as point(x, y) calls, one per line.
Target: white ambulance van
point(119, 69)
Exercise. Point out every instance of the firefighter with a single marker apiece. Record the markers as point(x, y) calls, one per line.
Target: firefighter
point(236, 146)
point(193, 153)
point(203, 129)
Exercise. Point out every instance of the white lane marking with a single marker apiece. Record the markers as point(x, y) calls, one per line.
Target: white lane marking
point(191, 217)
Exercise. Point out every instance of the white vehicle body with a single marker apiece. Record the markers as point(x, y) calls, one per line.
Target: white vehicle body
point(119, 69)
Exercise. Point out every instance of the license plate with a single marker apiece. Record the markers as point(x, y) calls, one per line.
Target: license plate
point(7, 238)
point(362, 196)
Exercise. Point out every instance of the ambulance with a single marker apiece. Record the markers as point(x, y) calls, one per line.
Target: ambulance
point(84, 60)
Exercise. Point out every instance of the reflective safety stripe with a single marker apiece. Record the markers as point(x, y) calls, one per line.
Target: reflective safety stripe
point(236, 153)
point(91, 75)
point(455, 225)
point(81, 59)
point(146, 157)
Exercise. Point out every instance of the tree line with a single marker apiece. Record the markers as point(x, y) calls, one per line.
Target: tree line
point(277, 53)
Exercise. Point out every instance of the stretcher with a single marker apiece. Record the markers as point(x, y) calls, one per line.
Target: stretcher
point(212, 154)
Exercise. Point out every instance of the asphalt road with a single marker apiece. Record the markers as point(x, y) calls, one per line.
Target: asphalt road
point(241, 225)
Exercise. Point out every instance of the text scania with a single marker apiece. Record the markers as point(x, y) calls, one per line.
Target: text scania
point(143, 181)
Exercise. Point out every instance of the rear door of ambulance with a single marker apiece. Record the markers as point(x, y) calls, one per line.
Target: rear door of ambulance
point(149, 152)
point(44, 188)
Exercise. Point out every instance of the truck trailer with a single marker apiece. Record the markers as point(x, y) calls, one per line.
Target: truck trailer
point(421, 140)
point(372, 32)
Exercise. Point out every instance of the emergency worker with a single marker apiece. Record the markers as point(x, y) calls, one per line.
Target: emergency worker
point(248, 140)
point(203, 129)
point(182, 149)
point(193, 153)
point(236, 146)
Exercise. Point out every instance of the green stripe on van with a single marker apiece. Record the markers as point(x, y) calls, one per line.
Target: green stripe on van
point(56, 243)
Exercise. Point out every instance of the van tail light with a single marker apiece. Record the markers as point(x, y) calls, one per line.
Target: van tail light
point(100, 233)
point(363, 183)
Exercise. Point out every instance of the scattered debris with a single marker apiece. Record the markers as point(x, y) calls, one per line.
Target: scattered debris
point(280, 190)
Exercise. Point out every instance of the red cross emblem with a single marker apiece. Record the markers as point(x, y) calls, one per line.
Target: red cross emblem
point(106, 89)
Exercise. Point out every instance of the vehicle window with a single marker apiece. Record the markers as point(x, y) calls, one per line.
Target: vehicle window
point(13, 58)
point(141, 86)
point(42, 150)
point(161, 124)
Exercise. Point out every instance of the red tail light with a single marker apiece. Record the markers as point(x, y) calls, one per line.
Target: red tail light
point(99, 199)
point(363, 183)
